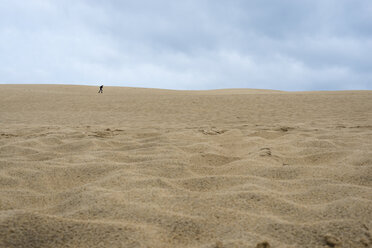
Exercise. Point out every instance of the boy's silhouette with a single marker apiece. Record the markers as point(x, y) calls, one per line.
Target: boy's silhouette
point(100, 89)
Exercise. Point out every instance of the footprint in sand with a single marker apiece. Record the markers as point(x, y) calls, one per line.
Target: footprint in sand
point(212, 131)
point(265, 152)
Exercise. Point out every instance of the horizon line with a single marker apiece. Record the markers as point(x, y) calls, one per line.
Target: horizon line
point(213, 89)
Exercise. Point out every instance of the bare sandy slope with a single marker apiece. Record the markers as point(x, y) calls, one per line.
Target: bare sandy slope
point(157, 168)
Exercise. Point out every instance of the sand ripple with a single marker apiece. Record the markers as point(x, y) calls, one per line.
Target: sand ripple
point(187, 178)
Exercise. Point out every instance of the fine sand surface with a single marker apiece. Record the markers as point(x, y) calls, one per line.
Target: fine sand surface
point(158, 168)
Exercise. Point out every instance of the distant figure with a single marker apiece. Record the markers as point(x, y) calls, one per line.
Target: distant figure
point(100, 89)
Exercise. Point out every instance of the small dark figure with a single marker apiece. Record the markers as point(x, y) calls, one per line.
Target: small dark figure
point(100, 89)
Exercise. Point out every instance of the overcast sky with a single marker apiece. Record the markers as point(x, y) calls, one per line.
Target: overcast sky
point(188, 44)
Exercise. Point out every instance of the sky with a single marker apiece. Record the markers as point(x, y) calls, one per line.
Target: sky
point(293, 45)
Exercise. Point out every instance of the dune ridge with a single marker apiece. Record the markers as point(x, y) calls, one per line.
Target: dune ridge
point(158, 168)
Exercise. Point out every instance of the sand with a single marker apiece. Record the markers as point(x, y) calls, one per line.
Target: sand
point(139, 167)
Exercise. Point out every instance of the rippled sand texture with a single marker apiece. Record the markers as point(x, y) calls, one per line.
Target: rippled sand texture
point(156, 168)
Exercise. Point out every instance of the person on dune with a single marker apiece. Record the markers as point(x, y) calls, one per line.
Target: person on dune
point(100, 89)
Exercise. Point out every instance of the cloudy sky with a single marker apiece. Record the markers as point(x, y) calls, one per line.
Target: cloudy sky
point(188, 44)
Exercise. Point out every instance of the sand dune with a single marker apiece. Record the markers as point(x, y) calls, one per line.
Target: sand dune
point(158, 168)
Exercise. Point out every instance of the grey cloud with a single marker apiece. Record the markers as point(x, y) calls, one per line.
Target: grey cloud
point(288, 45)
